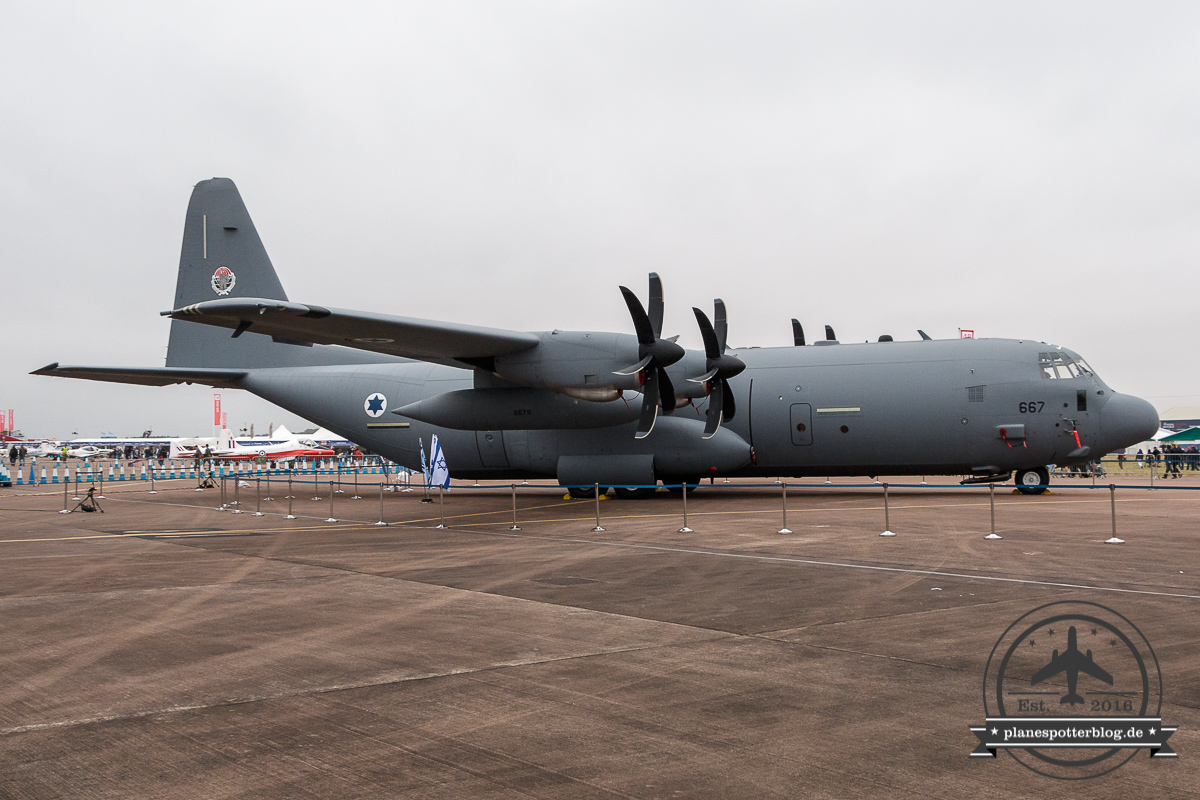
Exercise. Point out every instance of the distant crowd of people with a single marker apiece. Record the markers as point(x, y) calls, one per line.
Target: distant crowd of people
point(1173, 459)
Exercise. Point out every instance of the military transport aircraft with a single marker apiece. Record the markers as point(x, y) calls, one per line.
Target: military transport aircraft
point(616, 409)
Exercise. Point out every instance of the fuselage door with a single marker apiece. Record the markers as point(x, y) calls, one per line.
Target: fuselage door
point(801, 424)
point(491, 448)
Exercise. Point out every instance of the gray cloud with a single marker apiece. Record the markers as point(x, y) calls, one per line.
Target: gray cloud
point(1023, 170)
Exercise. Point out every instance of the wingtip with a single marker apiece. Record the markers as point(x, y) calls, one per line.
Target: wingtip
point(46, 370)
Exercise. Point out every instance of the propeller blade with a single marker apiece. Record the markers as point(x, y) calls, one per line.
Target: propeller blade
point(666, 390)
point(708, 376)
point(649, 406)
point(720, 323)
point(829, 334)
point(656, 304)
point(712, 349)
point(641, 323)
point(729, 408)
point(638, 367)
point(716, 406)
point(797, 332)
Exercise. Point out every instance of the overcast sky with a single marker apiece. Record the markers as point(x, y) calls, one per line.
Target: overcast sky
point(1028, 170)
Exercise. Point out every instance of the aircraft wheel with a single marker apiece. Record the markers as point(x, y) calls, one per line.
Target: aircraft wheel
point(585, 492)
point(1032, 481)
point(634, 494)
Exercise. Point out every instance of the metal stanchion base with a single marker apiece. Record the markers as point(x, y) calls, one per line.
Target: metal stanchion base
point(290, 516)
point(318, 498)
point(258, 514)
point(1114, 540)
point(152, 491)
point(597, 529)
point(65, 511)
point(784, 530)
point(355, 497)
point(440, 527)
point(993, 536)
point(237, 511)
point(887, 533)
point(828, 482)
point(514, 527)
point(406, 489)
point(331, 519)
point(380, 524)
point(686, 529)
point(426, 499)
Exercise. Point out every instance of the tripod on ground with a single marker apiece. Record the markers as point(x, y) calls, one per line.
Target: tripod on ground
point(89, 502)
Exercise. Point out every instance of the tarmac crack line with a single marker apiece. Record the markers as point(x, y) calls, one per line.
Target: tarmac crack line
point(839, 564)
point(343, 687)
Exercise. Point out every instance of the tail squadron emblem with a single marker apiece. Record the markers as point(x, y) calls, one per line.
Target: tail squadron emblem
point(223, 281)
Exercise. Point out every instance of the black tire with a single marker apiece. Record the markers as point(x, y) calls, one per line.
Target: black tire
point(584, 492)
point(1032, 481)
point(634, 494)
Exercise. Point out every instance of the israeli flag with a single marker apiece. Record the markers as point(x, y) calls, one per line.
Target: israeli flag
point(424, 465)
point(441, 473)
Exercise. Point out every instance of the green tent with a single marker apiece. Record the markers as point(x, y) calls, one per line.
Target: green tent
point(1189, 435)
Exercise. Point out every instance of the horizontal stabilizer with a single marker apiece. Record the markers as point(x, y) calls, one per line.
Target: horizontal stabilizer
point(148, 376)
point(425, 340)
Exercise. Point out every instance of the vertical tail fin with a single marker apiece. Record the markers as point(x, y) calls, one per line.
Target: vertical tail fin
point(222, 256)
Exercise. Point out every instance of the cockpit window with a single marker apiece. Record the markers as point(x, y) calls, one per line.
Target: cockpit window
point(1060, 365)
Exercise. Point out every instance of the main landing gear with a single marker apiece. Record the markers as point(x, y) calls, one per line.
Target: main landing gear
point(1032, 481)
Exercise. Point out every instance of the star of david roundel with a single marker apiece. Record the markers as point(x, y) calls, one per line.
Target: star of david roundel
point(375, 405)
point(223, 281)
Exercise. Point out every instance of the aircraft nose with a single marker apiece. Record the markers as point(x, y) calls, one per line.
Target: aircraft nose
point(1128, 420)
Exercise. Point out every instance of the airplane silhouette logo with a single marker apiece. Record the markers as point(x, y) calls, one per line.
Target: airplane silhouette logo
point(1071, 662)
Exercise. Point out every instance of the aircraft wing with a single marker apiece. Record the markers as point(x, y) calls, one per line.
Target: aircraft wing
point(1055, 666)
point(148, 376)
point(407, 337)
point(1088, 666)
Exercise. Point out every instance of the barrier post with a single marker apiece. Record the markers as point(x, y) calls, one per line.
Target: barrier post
point(597, 528)
point(290, 498)
point(356, 495)
point(1112, 495)
point(237, 494)
point(442, 508)
point(887, 523)
point(65, 510)
point(75, 497)
point(381, 522)
point(331, 517)
point(992, 504)
point(258, 495)
point(154, 491)
point(685, 528)
point(785, 528)
point(101, 495)
point(514, 526)
point(316, 488)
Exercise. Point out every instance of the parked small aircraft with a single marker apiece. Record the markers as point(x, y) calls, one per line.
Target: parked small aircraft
point(227, 449)
point(615, 409)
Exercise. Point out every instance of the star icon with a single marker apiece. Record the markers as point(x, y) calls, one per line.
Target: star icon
point(374, 405)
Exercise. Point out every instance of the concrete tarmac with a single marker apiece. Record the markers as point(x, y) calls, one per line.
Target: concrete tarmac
point(164, 648)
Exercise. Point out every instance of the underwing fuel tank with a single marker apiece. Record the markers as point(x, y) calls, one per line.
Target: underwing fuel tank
point(517, 409)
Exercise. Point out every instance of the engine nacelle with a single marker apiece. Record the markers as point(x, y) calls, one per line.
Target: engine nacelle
point(517, 409)
point(587, 360)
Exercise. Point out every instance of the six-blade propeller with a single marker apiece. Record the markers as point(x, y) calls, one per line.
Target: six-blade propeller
point(655, 355)
point(719, 366)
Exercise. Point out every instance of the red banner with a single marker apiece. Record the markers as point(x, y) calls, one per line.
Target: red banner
point(224, 420)
point(216, 409)
point(964, 333)
point(2, 419)
point(11, 426)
